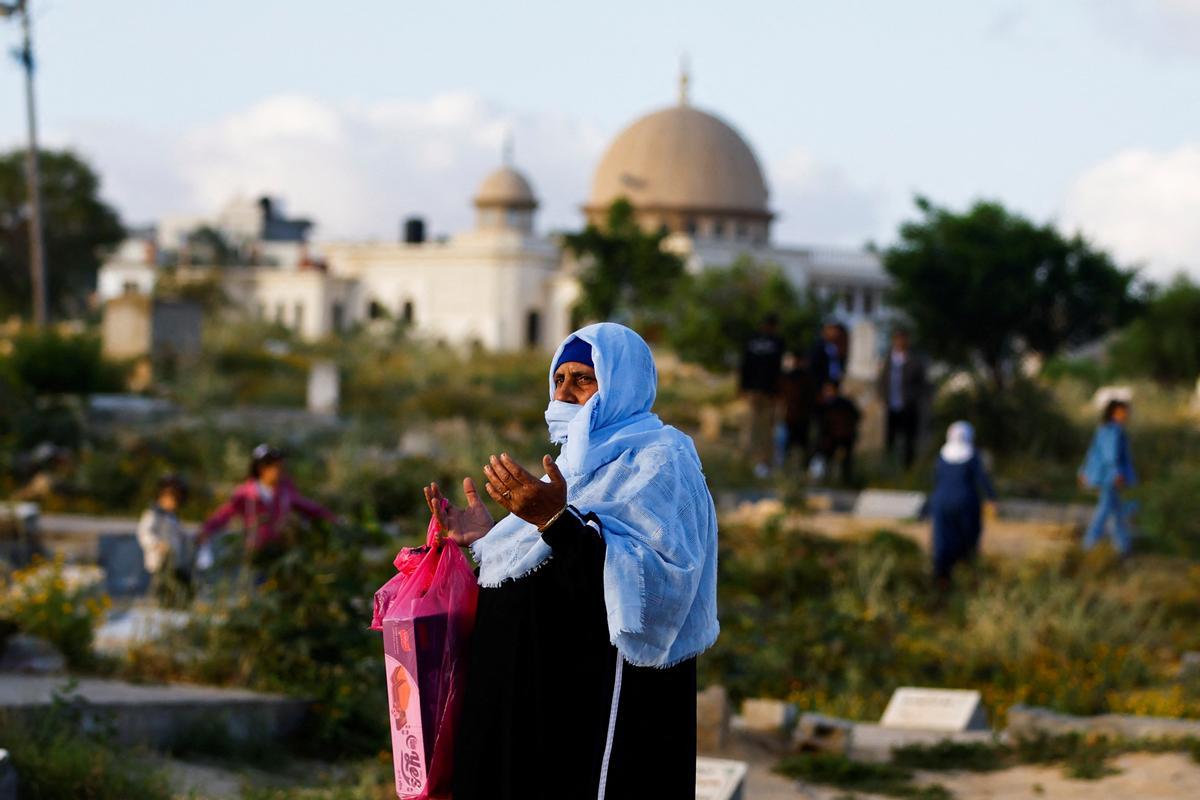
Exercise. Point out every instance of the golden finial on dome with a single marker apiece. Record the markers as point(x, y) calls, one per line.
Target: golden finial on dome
point(685, 79)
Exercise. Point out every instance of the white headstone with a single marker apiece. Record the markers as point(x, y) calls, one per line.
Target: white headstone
point(720, 779)
point(935, 710)
point(323, 388)
point(883, 504)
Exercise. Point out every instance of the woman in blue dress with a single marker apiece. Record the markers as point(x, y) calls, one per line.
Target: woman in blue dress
point(955, 505)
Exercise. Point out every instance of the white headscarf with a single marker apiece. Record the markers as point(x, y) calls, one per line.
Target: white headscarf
point(644, 482)
point(960, 443)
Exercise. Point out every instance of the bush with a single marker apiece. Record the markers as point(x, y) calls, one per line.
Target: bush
point(1024, 419)
point(48, 362)
point(303, 632)
point(1164, 344)
point(1170, 515)
point(41, 603)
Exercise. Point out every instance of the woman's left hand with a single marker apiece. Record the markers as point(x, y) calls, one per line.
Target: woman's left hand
point(516, 489)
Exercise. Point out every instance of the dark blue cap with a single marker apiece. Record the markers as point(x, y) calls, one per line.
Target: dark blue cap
point(576, 350)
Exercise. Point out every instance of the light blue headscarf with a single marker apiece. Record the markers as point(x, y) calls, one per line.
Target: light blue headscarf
point(644, 481)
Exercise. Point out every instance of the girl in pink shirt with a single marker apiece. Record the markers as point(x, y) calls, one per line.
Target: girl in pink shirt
point(264, 502)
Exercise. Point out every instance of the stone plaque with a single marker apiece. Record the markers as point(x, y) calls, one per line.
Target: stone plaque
point(935, 710)
point(720, 779)
point(883, 504)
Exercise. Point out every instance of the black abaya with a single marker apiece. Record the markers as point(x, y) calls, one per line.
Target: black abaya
point(538, 709)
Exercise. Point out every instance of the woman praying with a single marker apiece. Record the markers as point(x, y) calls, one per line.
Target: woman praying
point(598, 591)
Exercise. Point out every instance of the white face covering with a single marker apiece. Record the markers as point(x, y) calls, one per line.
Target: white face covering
point(558, 417)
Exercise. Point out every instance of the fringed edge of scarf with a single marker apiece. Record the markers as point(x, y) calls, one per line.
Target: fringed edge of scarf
point(675, 661)
point(530, 571)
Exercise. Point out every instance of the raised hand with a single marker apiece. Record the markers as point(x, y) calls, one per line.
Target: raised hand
point(531, 499)
point(461, 525)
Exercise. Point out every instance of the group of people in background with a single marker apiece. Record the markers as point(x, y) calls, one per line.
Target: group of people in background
point(801, 394)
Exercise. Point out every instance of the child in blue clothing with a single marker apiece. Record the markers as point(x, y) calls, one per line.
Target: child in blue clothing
point(1108, 467)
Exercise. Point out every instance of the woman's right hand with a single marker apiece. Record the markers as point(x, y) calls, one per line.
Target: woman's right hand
point(461, 525)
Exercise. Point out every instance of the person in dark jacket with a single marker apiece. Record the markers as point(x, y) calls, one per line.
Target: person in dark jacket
point(762, 360)
point(837, 429)
point(955, 506)
point(901, 387)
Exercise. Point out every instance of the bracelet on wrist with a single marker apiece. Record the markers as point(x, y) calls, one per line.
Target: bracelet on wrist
point(542, 528)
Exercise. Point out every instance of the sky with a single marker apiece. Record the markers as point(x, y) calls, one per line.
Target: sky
point(1085, 113)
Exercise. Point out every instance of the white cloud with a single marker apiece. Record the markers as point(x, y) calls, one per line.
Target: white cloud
point(357, 169)
point(1144, 206)
point(818, 204)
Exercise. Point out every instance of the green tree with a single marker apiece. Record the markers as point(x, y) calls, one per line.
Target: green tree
point(76, 222)
point(715, 312)
point(986, 287)
point(1164, 343)
point(49, 363)
point(626, 274)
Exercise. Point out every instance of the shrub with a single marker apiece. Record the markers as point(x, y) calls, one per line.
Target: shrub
point(48, 362)
point(303, 632)
point(1169, 518)
point(40, 602)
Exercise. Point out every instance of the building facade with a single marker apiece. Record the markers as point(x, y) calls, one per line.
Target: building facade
point(503, 285)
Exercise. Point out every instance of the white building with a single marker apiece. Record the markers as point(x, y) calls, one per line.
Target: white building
point(505, 286)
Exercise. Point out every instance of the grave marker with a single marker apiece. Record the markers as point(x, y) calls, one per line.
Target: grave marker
point(935, 710)
point(720, 779)
point(124, 566)
point(882, 504)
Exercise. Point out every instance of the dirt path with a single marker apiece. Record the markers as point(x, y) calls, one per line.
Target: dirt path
point(1001, 537)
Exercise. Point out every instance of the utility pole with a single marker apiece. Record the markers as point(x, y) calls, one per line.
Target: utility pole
point(33, 184)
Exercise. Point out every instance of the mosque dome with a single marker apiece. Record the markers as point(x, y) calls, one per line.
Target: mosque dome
point(687, 170)
point(507, 188)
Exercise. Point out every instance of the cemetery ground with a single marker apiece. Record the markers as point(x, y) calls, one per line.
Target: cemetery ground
point(822, 610)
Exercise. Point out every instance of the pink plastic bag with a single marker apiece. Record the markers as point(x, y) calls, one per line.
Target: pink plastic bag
point(426, 612)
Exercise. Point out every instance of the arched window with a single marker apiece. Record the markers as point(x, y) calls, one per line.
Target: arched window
point(408, 314)
point(374, 310)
